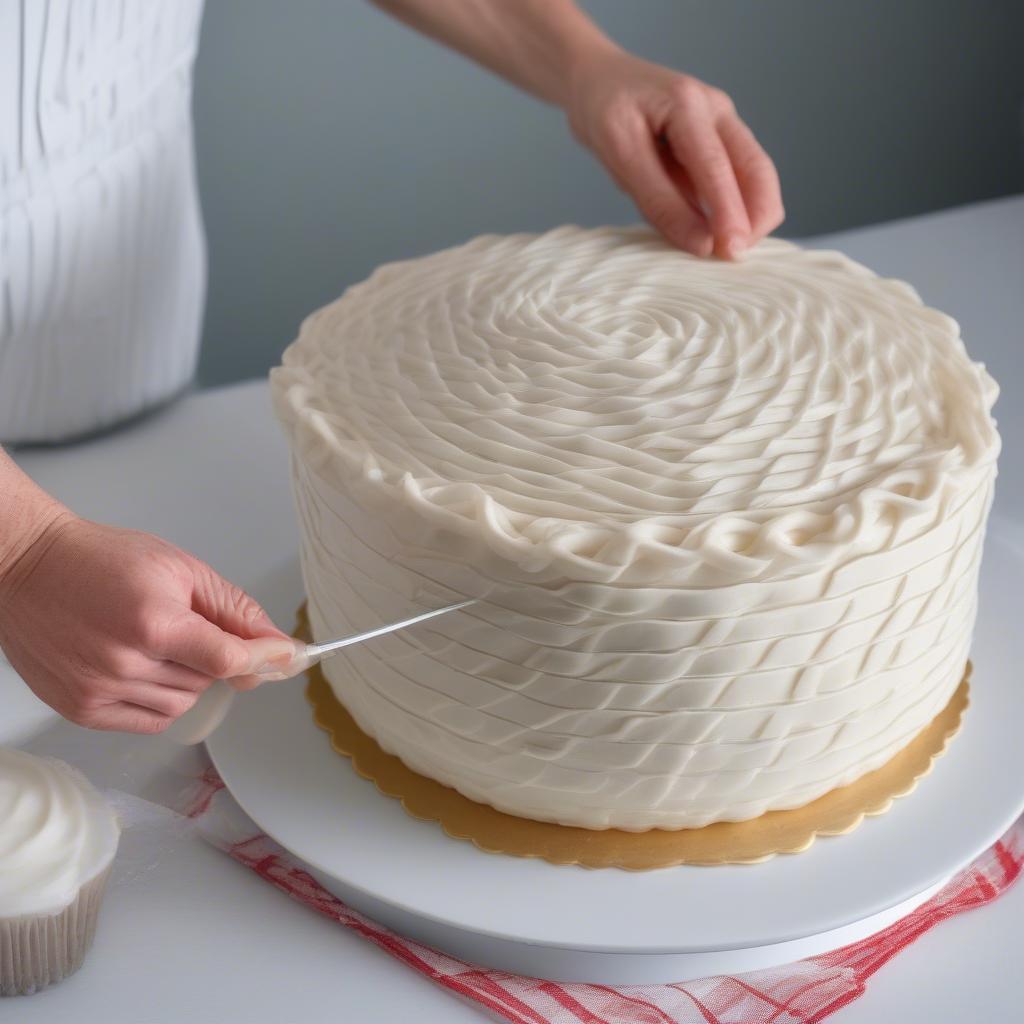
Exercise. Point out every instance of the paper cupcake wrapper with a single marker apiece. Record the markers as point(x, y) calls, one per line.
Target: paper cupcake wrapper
point(40, 950)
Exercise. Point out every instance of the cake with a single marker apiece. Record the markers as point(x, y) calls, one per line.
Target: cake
point(724, 520)
point(58, 838)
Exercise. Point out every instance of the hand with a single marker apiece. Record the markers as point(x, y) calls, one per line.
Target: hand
point(116, 629)
point(679, 148)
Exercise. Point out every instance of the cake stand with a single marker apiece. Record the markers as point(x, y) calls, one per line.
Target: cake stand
point(617, 927)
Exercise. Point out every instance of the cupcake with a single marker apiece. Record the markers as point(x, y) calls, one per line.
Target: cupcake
point(58, 838)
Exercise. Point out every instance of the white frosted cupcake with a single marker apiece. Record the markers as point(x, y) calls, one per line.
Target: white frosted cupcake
point(58, 838)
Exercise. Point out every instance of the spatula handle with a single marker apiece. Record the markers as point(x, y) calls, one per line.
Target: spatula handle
point(203, 717)
point(199, 722)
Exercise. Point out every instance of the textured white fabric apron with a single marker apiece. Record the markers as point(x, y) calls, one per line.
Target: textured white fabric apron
point(102, 256)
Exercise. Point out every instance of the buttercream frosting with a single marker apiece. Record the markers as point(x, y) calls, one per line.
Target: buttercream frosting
point(725, 519)
point(56, 834)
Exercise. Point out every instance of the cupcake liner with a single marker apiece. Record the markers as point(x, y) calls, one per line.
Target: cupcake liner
point(39, 950)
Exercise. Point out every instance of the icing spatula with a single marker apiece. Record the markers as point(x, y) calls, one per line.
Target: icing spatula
point(210, 710)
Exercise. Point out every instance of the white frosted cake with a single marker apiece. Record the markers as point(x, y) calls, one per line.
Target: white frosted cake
point(724, 520)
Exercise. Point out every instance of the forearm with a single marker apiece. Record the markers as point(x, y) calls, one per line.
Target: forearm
point(26, 513)
point(533, 43)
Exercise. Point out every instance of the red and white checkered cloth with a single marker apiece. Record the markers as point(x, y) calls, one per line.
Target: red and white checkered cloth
point(806, 991)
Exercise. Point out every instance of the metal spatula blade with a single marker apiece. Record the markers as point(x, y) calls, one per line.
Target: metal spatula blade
point(210, 710)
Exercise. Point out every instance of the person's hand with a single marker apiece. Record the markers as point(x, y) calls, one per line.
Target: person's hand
point(679, 148)
point(116, 629)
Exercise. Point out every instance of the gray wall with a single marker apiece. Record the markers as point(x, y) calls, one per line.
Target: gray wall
point(331, 139)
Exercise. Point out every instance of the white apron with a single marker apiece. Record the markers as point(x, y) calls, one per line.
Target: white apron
point(102, 257)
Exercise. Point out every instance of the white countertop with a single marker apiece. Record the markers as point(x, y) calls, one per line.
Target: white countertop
point(191, 936)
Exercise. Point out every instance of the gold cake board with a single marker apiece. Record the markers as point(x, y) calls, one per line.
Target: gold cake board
point(743, 842)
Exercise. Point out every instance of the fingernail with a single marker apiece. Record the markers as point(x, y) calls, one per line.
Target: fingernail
point(734, 246)
point(699, 243)
point(274, 668)
point(270, 675)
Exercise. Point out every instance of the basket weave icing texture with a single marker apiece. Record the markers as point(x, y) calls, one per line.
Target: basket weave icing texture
point(724, 520)
point(746, 842)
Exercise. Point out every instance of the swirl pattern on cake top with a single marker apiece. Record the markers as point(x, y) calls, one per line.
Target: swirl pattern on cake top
point(726, 519)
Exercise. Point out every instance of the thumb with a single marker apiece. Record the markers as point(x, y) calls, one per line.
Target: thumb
point(229, 607)
point(206, 648)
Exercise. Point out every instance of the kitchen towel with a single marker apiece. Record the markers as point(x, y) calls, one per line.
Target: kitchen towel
point(806, 991)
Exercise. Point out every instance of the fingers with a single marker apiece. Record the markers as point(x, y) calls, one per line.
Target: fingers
point(274, 662)
point(225, 634)
point(206, 649)
point(228, 606)
point(169, 673)
point(631, 154)
point(166, 701)
point(696, 144)
point(125, 717)
point(756, 176)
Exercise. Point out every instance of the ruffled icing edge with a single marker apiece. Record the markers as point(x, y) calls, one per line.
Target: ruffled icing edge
point(728, 547)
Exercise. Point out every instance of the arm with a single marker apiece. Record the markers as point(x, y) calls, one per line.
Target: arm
point(675, 144)
point(116, 629)
point(532, 43)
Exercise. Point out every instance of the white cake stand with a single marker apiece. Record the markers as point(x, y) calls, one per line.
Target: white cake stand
point(617, 927)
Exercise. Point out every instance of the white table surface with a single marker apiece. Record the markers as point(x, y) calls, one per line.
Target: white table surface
point(194, 937)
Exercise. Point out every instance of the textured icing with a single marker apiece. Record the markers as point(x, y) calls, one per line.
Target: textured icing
point(102, 260)
point(56, 834)
point(727, 519)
